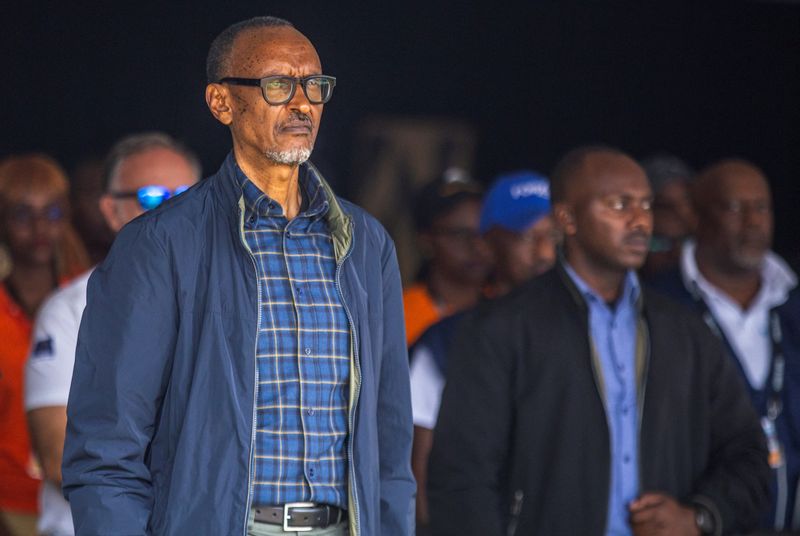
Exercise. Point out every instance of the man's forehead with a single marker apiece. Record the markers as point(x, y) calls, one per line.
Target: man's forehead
point(736, 179)
point(271, 43)
point(607, 174)
point(154, 164)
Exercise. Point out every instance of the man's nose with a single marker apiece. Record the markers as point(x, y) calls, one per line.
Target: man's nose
point(641, 216)
point(299, 100)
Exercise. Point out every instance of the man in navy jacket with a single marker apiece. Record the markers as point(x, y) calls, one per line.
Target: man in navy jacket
point(241, 364)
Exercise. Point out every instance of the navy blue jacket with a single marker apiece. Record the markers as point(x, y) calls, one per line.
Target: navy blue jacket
point(787, 424)
point(162, 406)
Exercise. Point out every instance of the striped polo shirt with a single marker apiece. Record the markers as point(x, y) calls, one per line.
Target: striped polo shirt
point(303, 351)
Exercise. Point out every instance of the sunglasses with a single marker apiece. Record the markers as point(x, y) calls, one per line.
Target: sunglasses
point(149, 197)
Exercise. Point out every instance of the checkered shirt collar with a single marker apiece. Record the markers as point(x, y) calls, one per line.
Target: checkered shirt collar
point(315, 202)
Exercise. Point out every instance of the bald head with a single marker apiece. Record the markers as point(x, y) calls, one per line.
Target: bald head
point(735, 222)
point(588, 164)
point(710, 185)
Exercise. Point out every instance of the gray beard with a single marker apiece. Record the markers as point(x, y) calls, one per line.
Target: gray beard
point(292, 157)
point(748, 262)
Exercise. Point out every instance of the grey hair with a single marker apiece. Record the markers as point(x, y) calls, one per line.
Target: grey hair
point(219, 53)
point(140, 143)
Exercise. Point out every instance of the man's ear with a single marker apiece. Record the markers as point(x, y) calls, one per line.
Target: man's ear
point(218, 101)
point(565, 219)
point(109, 212)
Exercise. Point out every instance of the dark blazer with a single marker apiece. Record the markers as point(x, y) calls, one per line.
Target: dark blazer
point(522, 440)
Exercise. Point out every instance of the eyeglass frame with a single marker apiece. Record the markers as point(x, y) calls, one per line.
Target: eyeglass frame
point(137, 194)
point(261, 82)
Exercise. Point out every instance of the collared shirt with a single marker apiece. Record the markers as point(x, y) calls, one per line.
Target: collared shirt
point(746, 330)
point(303, 351)
point(613, 332)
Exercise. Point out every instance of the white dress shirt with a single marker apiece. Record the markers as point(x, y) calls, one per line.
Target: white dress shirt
point(746, 330)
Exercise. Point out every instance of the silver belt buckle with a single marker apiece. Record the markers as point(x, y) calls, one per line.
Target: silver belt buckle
point(287, 517)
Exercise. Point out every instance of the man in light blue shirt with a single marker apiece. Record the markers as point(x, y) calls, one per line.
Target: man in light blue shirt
point(613, 331)
point(585, 404)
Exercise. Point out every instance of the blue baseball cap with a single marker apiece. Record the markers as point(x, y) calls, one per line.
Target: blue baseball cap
point(516, 201)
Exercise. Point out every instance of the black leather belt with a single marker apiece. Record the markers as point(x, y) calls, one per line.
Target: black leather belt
point(300, 516)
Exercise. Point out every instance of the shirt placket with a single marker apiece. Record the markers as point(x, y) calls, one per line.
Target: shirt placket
point(294, 242)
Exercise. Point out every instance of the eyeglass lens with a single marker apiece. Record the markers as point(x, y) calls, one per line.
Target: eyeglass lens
point(150, 197)
point(280, 89)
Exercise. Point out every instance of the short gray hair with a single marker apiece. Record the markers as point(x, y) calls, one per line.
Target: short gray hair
point(220, 51)
point(140, 143)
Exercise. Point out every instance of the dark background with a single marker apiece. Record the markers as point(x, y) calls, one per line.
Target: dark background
point(701, 80)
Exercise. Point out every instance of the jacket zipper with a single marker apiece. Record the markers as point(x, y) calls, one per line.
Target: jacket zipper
point(255, 370)
point(351, 413)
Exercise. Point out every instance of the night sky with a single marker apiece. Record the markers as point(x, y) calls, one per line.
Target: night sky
point(533, 78)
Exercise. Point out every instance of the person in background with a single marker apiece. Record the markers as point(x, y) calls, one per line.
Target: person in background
point(45, 252)
point(516, 224)
point(457, 261)
point(85, 191)
point(587, 404)
point(142, 171)
point(674, 219)
point(749, 296)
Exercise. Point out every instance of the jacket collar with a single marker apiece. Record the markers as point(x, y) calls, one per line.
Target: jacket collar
point(642, 358)
point(577, 295)
point(230, 197)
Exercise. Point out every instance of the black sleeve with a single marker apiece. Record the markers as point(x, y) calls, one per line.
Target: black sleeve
point(472, 438)
point(735, 485)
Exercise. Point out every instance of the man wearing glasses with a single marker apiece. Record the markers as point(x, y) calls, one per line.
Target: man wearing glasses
point(142, 171)
point(241, 367)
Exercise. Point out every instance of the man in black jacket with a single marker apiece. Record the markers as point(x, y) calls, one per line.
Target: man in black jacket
point(585, 405)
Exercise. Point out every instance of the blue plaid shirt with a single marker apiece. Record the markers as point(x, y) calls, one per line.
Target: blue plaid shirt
point(303, 351)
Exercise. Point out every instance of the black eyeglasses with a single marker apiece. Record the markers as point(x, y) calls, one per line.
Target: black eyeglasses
point(280, 89)
point(149, 197)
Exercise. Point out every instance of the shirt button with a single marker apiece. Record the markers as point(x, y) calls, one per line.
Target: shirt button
point(626, 459)
point(308, 351)
point(310, 411)
point(299, 291)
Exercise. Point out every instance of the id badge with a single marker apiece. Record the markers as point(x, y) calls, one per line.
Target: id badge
point(775, 457)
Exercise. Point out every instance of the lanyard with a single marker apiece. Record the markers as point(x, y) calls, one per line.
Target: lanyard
point(778, 362)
